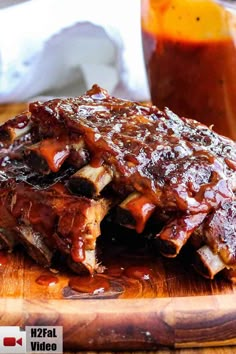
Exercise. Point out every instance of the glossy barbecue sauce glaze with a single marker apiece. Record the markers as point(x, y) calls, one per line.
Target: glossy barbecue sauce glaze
point(45, 209)
point(19, 123)
point(190, 56)
point(175, 163)
point(54, 151)
point(157, 153)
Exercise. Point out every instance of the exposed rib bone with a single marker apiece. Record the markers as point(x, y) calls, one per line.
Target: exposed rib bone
point(208, 263)
point(88, 266)
point(135, 211)
point(88, 226)
point(76, 220)
point(12, 134)
point(179, 164)
point(49, 154)
point(53, 151)
point(15, 128)
point(176, 233)
point(90, 181)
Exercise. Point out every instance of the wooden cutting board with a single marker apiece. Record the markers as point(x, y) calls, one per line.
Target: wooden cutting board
point(172, 306)
point(151, 301)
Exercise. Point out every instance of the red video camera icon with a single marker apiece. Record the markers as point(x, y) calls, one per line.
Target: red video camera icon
point(11, 341)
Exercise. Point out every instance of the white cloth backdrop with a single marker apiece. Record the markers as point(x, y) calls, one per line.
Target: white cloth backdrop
point(62, 47)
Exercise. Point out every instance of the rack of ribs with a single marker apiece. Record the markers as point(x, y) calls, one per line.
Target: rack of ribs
point(68, 163)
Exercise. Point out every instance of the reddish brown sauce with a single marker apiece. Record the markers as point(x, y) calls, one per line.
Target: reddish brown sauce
point(173, 163)
point(194, 79)
point(3, 258)
point(138, 272)
point(90, 284)
point(47, 280)
point(97, 161)
point(77, 249)
point(142, 210)
point(54, 151)
point(20, 121)
point(43, 208)
point(168, 159)
point(114, 270)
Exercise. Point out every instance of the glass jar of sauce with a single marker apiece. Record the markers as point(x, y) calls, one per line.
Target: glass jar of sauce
point(190, 56)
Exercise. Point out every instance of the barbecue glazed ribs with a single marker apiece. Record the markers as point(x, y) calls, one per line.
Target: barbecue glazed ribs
point(67, 163)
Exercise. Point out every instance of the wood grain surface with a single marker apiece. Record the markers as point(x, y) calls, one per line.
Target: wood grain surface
point(174, 307)
point(9, 110)
point(188, 312)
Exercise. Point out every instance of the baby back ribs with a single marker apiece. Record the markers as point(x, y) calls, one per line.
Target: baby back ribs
point(67, 162)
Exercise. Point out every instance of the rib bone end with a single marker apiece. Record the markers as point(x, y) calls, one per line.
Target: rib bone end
point(208, 263)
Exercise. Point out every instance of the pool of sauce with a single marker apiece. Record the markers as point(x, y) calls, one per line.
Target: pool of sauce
point(129, 270)
point(89, 284)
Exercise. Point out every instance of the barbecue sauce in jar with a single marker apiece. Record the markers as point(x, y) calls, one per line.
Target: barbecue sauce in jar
point(190, 56)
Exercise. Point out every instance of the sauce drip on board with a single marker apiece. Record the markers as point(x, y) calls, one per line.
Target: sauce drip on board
point(47, 280)
point(3, 258)
point(141, 272)
point(128, 268)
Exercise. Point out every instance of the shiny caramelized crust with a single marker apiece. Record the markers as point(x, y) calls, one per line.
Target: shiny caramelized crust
point(84, 154)
point(178, 163)
point(67, 222)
